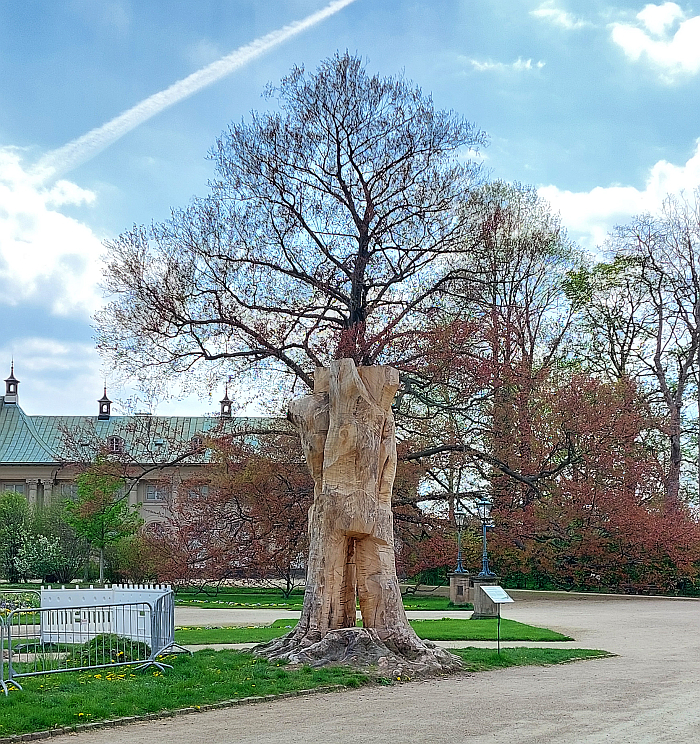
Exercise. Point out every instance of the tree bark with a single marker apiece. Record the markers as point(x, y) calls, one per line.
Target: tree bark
point(348, 435)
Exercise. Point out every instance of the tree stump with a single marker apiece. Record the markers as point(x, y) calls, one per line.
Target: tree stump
point(349, 440)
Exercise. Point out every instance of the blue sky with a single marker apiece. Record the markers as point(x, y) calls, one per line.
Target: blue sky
point(595, 103)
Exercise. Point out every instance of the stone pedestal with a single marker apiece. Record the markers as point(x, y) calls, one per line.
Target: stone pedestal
point(483, 606)
point(459, 588)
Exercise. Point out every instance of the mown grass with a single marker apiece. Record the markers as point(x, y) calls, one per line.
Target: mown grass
point(485, 659)
point(433, 630)
point(240, 598)
point(240, 634)
point(67, 699)
point(260, 598)
point(267, 598)
point(483, 630)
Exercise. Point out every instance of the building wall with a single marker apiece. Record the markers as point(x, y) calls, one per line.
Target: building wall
point(42, 485)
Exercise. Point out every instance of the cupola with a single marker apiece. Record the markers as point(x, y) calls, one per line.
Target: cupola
point(226, 405)
point(105, 407)
point(11, 384)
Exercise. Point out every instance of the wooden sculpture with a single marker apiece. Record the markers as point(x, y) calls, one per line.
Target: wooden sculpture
point(348, 435)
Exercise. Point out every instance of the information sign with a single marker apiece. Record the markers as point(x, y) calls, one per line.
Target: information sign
point(497, 594)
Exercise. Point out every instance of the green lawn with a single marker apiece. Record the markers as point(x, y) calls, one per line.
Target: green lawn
point(240, 598)
point(483, 630)
point(434, 630)
point(256, 598)
point(68, 699)
point(484, 659)
point(267, 598)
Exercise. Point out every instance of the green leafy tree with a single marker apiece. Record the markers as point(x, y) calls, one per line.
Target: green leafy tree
point(14, 531)
point(69, 550)
point(101, 514)
point(40, 558)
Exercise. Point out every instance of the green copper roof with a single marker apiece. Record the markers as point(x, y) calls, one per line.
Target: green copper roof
point(44, 439)
point(19, 440)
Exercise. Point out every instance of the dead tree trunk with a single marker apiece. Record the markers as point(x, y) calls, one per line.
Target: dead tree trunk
point(347, 432)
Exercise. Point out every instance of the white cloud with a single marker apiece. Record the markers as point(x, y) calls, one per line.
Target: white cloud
point(657, 18)
point(56, 377)
point(45, 256)
point(672, 55)
point(66, 378)
point(202, 52)
point(591, 215)
point(113, 13)
point(520, 65)
point(549, 12)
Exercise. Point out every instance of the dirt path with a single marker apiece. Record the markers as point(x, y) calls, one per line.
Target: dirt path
point(648, 694)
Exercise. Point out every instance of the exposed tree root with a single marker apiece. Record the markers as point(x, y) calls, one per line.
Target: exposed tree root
point(362, 648)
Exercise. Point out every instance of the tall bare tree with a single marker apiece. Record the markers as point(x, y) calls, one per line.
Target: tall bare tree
point(643, 315)
point(327, 226)
point(492, 348)
point(667, 249)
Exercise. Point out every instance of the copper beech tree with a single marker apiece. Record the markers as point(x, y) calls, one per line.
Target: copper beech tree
point(333, 223)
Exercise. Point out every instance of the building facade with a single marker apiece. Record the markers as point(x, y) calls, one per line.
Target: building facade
point(40, 456)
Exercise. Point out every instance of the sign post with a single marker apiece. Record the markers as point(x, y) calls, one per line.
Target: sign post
point(499, 596)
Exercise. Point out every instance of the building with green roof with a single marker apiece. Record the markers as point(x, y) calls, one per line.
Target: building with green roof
point(40, 456)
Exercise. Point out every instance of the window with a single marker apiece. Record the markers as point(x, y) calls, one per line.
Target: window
point(196, 443)
point(13, 487)
point(115, 445)
point(157, 492)
point(68, 491)
point(198, 492)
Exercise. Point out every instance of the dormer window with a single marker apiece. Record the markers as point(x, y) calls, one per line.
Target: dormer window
point(115, 445)
point(196, 443)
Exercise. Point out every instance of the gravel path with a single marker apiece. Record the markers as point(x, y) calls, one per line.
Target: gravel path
point(648, 694)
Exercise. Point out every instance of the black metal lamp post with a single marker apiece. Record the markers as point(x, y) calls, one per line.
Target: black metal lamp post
point(460, 521)
point(483, 507)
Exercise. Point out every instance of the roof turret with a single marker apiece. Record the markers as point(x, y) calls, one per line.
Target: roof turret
point(11, 385)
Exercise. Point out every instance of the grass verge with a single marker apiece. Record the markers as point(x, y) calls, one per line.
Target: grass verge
point(253, 598)
point(484, 659)
point(483, 630)
point(68, 699)
point(433, 630)
point(265, 598)
point(207, 677)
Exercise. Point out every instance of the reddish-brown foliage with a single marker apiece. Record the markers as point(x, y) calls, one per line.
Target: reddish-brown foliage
point(246, 519)
point(603, 522)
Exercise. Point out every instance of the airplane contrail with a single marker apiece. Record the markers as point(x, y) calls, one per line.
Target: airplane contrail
point(83, 148)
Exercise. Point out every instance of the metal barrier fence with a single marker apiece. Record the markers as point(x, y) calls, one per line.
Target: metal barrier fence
point(41, 640)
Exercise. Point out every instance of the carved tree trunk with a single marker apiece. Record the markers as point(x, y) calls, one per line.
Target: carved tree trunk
point(347, 432)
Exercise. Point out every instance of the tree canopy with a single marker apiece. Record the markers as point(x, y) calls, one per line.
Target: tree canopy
point(330, 221)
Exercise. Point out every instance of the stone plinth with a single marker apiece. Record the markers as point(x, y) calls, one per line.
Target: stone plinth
point(459, 588)
point(483, 606)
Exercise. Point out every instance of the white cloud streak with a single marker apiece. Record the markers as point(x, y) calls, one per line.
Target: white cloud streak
point(520, 65)
point(590, 216)
point(83, 148)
